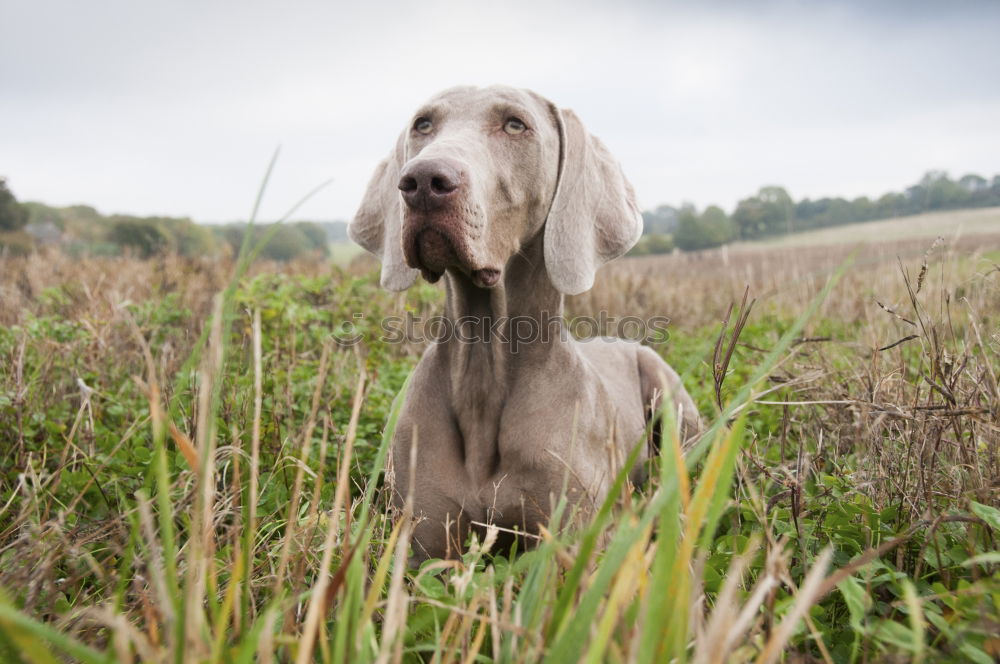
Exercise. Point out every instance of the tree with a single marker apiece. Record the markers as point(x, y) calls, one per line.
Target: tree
point(710, 229)
point(779, 206)
point(719, 226)
point(864, 209)
point(13, 216)
point(142, 236)
point(316, 235)
point(188, 238)
point(690, 235)
point(973, 183)
point(655, 243)
point(749, 218)
point(942, 192)
point(890, 205)
point(770, 212)
point(662, 220)
point(287, 243)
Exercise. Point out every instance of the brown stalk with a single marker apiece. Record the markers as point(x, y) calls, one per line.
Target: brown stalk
point(326, 587)
point(720, 363)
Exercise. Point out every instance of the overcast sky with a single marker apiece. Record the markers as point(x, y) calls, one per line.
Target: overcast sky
point(175, 107)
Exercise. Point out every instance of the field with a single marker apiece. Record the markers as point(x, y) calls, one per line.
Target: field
point(951, 225)
point(193, 456)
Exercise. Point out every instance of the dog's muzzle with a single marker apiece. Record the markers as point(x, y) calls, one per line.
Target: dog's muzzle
point(434, 234)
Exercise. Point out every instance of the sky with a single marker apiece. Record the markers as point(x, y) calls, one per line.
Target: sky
point(175, 108)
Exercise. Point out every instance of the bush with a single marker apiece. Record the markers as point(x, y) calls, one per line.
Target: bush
point(657, 243)
point(13, 215)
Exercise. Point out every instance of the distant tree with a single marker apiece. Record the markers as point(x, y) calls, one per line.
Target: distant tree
point(288, 242)
point(770, 212)
point(13, 216)
point(188, 238)
point(711, 228)
point(916, 199)
point(890, 205)
point(661, 221)
point(993, 198)
point(656, 243)
point(83, 213)
point(749, 218)
point(661, 243)
point(317, 236)
point(973, 183)
point(864, 209)
point(780, 208)
point(690, 234)
point(718, 224)
point(43, 214)
point(142, 236)
point(941, 192)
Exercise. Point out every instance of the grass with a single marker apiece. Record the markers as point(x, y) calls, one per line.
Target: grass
point(195, 471)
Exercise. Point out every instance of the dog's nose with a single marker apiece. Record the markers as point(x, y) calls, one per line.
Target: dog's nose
point(428, 184)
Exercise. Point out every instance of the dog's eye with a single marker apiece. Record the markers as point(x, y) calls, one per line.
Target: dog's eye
point(423, 125)
point(514, 126)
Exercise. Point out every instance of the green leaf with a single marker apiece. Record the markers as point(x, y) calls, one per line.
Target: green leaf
point(988, 558)
point(990, 515)
point(942, 625)
point(432, 587)
point(857, 600)
point(974, 654)
point(896, 634)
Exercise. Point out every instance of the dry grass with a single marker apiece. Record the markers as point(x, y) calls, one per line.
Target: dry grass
point(251, 527)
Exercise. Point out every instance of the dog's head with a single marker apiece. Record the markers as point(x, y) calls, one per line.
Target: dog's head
point(482, 171)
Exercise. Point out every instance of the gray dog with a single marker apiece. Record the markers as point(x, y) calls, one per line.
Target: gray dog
point(516, 205)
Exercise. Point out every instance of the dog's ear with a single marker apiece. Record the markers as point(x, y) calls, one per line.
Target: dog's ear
point(378, 224)
point(594, 217)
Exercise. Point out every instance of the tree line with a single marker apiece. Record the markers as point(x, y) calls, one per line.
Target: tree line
point(82, 230)
point(772, 212)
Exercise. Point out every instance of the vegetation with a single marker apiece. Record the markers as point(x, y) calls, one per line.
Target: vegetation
point(196, 453)
point(773, 212)
point(287, 241)
point(711, 228)
point(653, 244)
point(81, 230)
point(13, 219)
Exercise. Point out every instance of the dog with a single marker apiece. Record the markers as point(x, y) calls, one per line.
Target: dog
point(514, 204)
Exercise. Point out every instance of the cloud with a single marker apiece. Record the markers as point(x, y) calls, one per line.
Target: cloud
point(175, 108)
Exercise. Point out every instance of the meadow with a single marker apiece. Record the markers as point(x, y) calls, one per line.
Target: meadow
point(194, 452)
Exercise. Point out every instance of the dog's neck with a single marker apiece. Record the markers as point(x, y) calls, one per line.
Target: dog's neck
point(493, 332)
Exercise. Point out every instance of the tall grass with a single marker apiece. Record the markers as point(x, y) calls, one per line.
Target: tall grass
point(254, 527)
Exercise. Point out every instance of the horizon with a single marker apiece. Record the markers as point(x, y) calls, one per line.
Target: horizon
point(651, 209)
